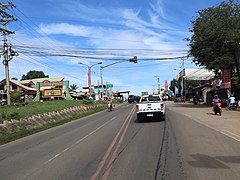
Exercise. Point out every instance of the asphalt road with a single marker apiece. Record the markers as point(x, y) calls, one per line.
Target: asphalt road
point(111, 145)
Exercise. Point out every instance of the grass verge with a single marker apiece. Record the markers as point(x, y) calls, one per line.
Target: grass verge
point(25, 132)
point(32, 108)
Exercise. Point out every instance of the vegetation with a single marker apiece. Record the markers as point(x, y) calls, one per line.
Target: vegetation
point(73, 87)
point(17, 112)
point(26, 132)
point(188, 84)
point(15, 96)
point(174, 84)
point(215, 40)
point(34, 74)
point(14, 78)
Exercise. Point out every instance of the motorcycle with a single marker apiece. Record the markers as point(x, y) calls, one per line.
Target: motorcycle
point(232, 106)
point(109, 107)
point(218, 109)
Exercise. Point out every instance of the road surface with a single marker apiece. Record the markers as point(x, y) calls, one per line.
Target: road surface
point(111, 145)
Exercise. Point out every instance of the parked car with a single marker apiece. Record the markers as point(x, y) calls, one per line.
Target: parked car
point(178, 98)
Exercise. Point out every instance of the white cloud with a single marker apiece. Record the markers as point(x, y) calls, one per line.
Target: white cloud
point(158, 7)
point(67, 29)
point(113, 28)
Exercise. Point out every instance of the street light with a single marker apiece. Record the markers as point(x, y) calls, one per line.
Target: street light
point(134, 59)
point(89, 74)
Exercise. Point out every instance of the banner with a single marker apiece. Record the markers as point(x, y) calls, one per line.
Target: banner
point(226, 78)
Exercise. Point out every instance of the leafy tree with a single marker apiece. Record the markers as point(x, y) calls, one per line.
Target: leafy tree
point(191, 84)
point(174, 83)
point(73, 87)
point(15, 96)
point(216, 37)
point(34, 74)
point(14, 78)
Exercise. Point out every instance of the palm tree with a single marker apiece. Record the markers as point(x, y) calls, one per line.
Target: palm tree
point(73, 87)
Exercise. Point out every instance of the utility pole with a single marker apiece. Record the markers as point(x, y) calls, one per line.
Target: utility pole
point(102, 91)
point(158, 80)
point(89, 75)
point(182, 77)
point(7, 53)
point(134, 59)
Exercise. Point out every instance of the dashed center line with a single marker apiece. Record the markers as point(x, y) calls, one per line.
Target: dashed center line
point(80, 140)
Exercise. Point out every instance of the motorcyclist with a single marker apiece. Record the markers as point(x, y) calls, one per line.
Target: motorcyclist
point(231, 101)
point(109, 103)
point(215, 101)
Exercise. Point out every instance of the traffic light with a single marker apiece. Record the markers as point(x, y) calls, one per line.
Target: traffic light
point(134, 59)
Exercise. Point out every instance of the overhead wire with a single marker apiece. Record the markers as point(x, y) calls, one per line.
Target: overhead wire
point(37, 51)
point(51, 41)
point(38, 63)
point(60, 72)
point(70, 52)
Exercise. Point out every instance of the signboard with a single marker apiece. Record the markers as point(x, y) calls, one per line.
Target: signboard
point(144, 93)
point(166, 85)
point(52, 92)
point(226, 75)
point(52, 83)
point(226, 78)
point(109, 86)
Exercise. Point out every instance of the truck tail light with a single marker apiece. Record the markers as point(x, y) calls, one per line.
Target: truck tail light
point(162, 105)
point(137, 108)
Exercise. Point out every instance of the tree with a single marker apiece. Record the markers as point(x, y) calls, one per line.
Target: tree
point(14, 78)
point(34, 74)
point(216, 37)
point(173, 85)
point(15, 96)
point(73, 87)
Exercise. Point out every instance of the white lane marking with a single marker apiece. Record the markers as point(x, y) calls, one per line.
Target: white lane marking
point(54, 157)
point(232, 133)
point(224, 132)
point(66, 149)
point(80, 140)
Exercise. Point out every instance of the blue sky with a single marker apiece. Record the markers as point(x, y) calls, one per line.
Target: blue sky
point(91, 31)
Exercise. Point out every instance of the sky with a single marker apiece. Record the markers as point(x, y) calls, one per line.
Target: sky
point(55, 36)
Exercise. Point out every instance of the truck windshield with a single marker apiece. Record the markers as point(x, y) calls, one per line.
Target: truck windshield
point(154, 98)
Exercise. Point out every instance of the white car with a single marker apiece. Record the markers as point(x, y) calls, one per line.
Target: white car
point(150, 106)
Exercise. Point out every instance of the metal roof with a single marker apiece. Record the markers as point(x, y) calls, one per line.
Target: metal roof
point(197, 74)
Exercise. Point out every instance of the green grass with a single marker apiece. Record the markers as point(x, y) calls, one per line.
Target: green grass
point(25, 132)
point(17, 112)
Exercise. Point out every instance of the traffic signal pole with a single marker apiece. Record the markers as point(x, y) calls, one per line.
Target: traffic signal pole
point(134, 59)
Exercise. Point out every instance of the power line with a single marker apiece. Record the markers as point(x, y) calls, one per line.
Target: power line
point(49, 67)
point(29, 28)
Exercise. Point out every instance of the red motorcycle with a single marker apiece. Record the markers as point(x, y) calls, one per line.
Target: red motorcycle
point(218, 108)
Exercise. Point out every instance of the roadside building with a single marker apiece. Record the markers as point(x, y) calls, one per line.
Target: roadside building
point(28, 92)
point(203, 76)
point(50, 88)
point(208, 84)
point(99, 91)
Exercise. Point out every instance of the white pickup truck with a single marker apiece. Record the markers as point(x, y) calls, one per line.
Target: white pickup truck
point(150, 106)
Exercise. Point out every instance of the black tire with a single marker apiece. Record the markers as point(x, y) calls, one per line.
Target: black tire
point(163, 118)
point(139, 118)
